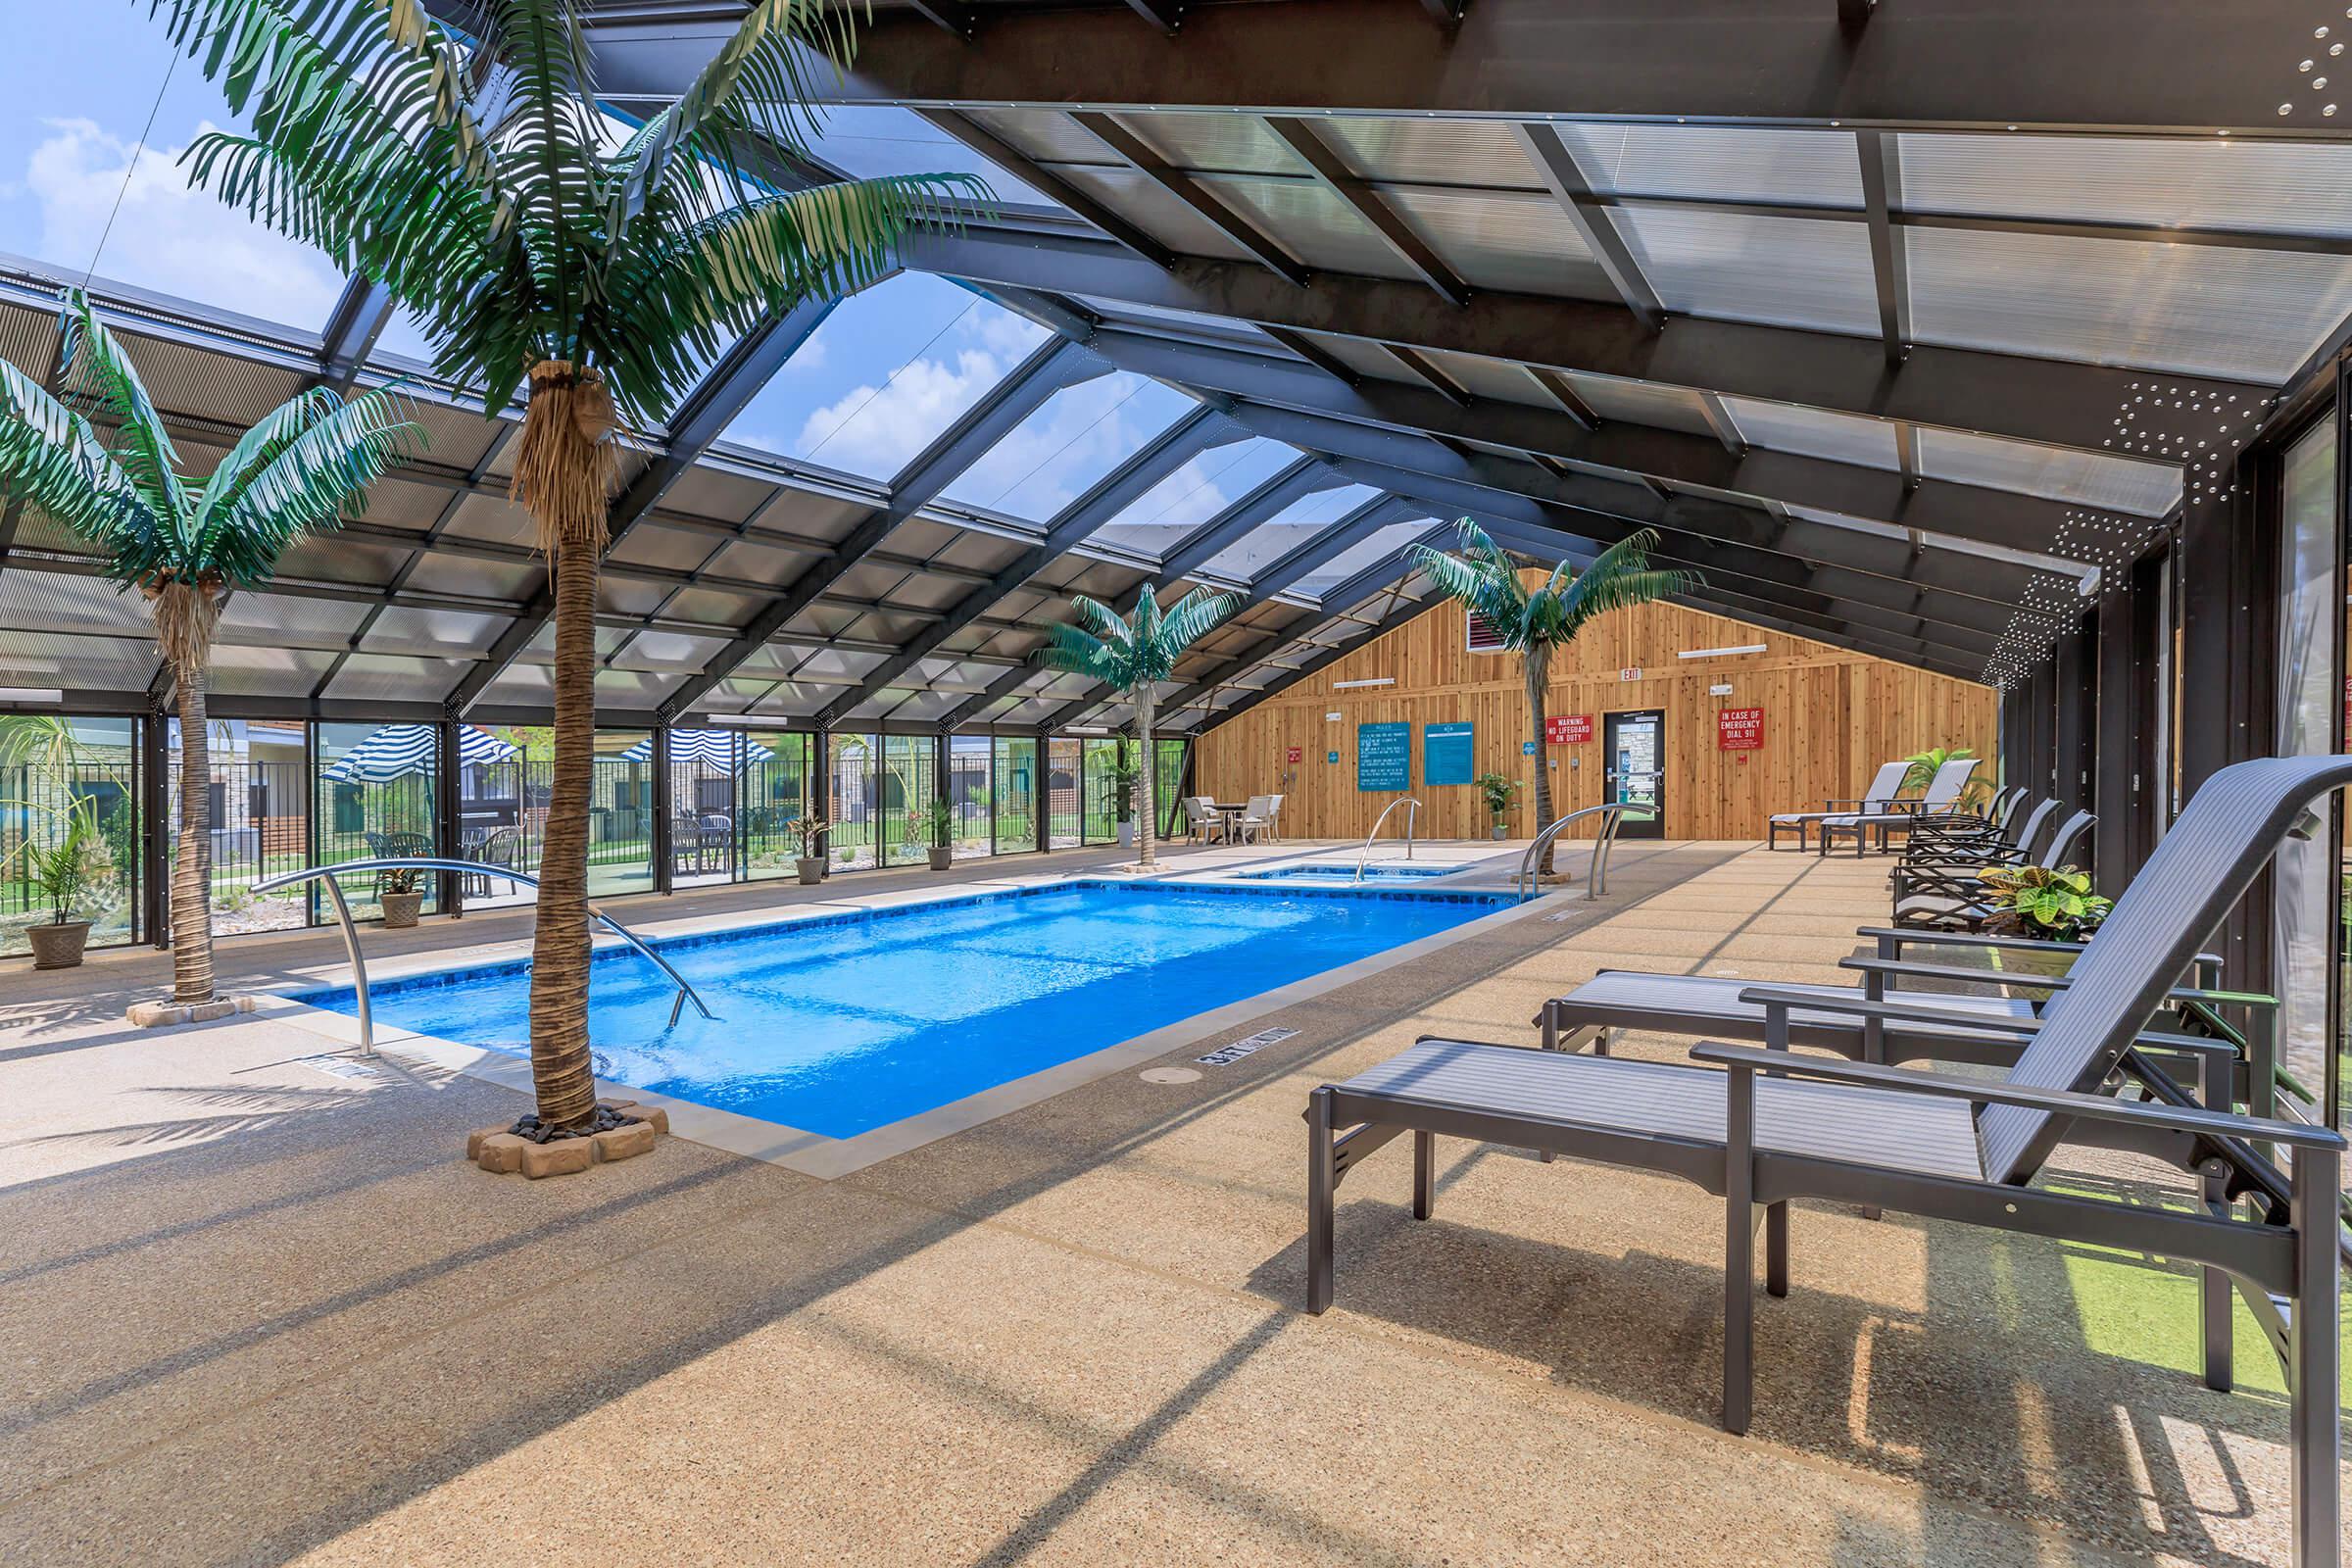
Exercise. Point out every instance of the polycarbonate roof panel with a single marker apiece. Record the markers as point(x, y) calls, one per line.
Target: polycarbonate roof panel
point(1670, 408)
point(1160, 517)
point(1126, 313)
point(1501, 379)
point(81, 160)
point(1728, 162)
point(1792, 271)
point(1080, 434)
point(1365, 359)
point(1430, 152)
point(2251, 315)
point(1310, 223)
point(395, 678)
point(888, 371)
point(867, 140)
point(1230, 143)
point(2214, 183)
point(2081, 478)
point(1386, 545)
point(1044, 134)
point(1965, 546)
point(1133, 195)
point(1503, 241)
point(45, 659)
point(241, 671)
point(1814, 432)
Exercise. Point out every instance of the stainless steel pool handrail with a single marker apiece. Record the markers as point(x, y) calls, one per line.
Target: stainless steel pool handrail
point(1612, 813)
point(359, 964)
point(1410, 817)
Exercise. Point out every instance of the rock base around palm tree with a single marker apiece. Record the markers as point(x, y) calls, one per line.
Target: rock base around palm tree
point(166, 1014)
point(621, 1129)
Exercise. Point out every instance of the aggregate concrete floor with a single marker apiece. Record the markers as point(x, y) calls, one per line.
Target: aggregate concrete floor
point(253, 1312)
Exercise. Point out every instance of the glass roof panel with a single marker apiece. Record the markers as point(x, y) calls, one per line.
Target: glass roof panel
point(1287, 529)
point(1080, 434)
point(1386, 545)
point(866, 141)
point(1154, 522)
point(87, 183)
point(888, 371)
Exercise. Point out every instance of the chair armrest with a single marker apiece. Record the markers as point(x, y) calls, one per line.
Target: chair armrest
point(1862, 1007)
point(1955, 974)
point(2058, 1101)
point(1954, 939)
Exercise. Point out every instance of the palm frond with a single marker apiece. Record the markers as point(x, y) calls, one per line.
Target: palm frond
point(258, 446)
point(1194, 618)
point(1619, 578)
point(1483, 580)
point(1081, 653)
point(313, 478)
point(51, 460)
point(88, 350)
point(1108, 625)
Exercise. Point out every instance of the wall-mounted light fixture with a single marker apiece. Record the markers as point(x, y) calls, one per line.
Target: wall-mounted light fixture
point(1720, 653)
point(1351, 685)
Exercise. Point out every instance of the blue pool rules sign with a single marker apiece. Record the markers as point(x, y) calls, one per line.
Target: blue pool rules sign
point(1384, 757)
point(1446, 753)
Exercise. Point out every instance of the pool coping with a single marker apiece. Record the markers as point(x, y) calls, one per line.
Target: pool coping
point(799, 1150)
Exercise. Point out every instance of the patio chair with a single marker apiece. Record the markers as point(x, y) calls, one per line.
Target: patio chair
point(1950, 895)
point(1206, 822)
point(1884, 786)
point(2019, 835)
point(1776, 1125)
point(1271, 830)
point(1940, 796)
point(501, 851)
point(1255, 820)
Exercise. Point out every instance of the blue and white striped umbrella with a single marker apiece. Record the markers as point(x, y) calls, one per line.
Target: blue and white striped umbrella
point(397, 749)
point(712, 746)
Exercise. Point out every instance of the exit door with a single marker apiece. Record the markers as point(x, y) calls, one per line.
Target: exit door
point(1634, 762)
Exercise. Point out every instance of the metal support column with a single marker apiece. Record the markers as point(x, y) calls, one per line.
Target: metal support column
point(2076, 697)
point(154, 836)
point(448, 828)
point(665, 850)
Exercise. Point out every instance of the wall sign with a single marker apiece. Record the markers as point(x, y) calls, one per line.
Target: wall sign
point(1739, 729)
point(1568, 729)
point(1333, 758)
point(1446, 753)
point(1629, 672)
point(1297, 755)
point(1527, 748)
point(1720, 689)
point(1384, 757)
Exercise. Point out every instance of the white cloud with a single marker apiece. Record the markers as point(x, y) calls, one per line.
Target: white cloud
point(870, 429)
point(167, 236)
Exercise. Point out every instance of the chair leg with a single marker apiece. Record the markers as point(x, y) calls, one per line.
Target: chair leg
point(1738, 1254)
point(2313, 1378)
point(1775, 1249)
point(1321, 1178)
point(1425, 1162)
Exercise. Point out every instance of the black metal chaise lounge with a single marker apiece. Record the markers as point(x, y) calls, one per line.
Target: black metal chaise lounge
point(1880, 797)
point(2021, 831)
point(1775, 1125)
point(1950, 895)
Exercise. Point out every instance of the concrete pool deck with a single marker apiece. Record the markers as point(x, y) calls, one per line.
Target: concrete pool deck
point(257, 1309)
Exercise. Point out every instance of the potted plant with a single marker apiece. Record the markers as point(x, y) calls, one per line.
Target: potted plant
point(62, 872)
point(1924, 765)
point(402, 897)
point(1498, 790)
point(811, 863)
point(2046, 906)
point(937, 822)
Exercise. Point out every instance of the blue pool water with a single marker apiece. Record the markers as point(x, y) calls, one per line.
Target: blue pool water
point(847, 1023)
point(1346, 873)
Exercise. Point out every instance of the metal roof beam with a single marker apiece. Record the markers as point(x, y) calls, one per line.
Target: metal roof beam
point(997, 150)
point(1411, 610)
point(1182, 442)
point(1556, 165)
point(1137, 155)
point(1882, 198)
point(1229, 528)
point(1056, 365)
point(2017, 396)
point(1333, 173)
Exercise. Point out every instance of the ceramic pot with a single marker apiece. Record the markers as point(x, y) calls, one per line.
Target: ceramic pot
point(58, 946)
point(400, 909)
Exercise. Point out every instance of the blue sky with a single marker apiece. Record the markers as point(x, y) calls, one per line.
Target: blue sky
point(886, 374)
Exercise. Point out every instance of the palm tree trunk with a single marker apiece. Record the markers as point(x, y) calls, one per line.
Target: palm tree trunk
point(192, 864)
point(563, 473)
point(1537, 665)
point(562, 1070)
point(1147, 781)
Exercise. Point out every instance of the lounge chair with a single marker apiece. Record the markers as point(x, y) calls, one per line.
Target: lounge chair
point(1880, 797)
point(1941, 797)
point(1950, 895)
point(2019, 836)
point(1776, 1125)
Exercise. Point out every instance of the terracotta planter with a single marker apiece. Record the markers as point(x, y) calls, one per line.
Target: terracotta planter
point(401, 909)
point(942, 860)
point(58, 947)
point(813, 871)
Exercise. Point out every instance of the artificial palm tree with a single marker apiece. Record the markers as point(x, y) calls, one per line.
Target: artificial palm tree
point(186, 543)
point(595, 271)
point(1531, 622)
point(1133, 655)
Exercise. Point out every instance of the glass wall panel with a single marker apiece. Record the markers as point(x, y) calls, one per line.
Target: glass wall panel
point(1016, 795)
point(51, 769)
point(2309, 689)
point(704, 765)
point(969, 767)
point(853, 801)
point(1170, 780)
point(259, 816)
point(503, 775)
point(1099, 823)
point(1062, 766)
point(620, 813)
point(909, 781)
point(776, 800)
point(376, 788)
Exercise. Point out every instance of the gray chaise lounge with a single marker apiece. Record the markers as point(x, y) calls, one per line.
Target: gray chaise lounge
point(1775, 1125)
